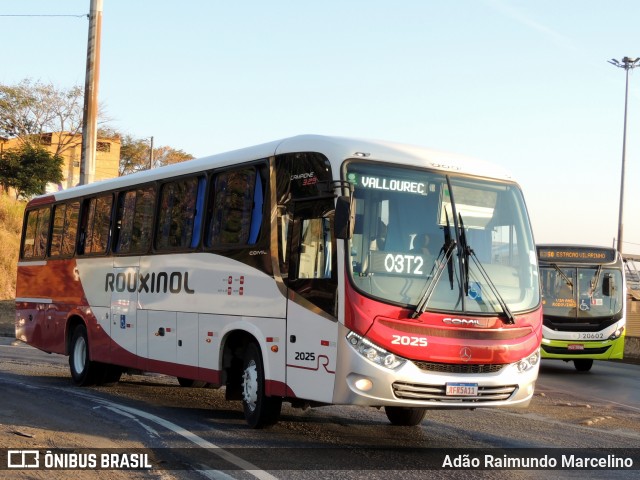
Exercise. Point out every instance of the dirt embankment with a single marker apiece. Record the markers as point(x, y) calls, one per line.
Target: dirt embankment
point(7, 318)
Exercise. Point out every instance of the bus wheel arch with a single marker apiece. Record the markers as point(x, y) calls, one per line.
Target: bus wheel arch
point(244, 377)
point(259, 410)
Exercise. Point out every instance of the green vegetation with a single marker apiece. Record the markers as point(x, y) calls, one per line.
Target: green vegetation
point(10, 227)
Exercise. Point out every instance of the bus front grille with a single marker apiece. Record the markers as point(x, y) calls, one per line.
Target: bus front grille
point(437, 393)
point(458, 367)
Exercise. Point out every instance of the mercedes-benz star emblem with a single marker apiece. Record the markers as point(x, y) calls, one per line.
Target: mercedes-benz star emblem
point(465, 354)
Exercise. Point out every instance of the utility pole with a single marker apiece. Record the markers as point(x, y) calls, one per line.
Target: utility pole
point(627, 63)
point(90, 113)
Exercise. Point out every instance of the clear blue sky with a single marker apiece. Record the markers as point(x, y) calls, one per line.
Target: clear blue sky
point(522, 83)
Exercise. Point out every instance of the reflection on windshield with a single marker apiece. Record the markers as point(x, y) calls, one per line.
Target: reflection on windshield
point(588, 299)
point(406, 249)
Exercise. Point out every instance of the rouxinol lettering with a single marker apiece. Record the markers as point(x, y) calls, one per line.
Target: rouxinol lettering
point(160, 282)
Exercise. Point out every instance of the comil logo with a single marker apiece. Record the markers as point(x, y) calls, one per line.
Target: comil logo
point(23, 459)
point(460, 322)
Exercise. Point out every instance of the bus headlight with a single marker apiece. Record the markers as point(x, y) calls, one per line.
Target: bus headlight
point(529, 362)
point(617, 333)
point(373, 352)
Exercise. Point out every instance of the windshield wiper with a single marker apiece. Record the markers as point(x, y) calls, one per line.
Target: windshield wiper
point(595, 280)
point(448, 242)
point(466, 253)
point(505, 308)
point(444, 258)
point(566, 279)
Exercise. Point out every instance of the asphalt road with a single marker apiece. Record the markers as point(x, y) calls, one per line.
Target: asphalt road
point(183, 426)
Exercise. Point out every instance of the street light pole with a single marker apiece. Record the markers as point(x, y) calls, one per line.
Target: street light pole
point(627, 63)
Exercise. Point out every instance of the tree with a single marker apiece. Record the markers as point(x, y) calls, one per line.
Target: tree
point(30, 109)
point(29, 169)
point(134, 155)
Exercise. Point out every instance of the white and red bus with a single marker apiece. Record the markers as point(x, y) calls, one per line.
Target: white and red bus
point(312, 270)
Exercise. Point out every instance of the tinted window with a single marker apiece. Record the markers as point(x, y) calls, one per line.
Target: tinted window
point(36, 233)
point(236, 208)
point(96, 225)
point(135, 220)
point(65, 228)
point(180, 213)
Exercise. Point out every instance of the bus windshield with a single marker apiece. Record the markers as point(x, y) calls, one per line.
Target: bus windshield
point(441, 242)
point(581, 292)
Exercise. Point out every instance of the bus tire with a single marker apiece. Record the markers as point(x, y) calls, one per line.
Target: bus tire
point(259, 410)
point(405, 416)
point(583, 364)
point(83, 371)
point(108, 374)
point(188, 383)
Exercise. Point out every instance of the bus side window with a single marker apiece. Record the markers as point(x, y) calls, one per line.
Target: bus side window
point(134, 220)
point(177, 215)
point(36, 234)
point(65, 228)
point(231, 208)
point(95, 226)
point(315, 249)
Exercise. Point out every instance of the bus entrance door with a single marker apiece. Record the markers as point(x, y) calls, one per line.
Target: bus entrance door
point(312, 326)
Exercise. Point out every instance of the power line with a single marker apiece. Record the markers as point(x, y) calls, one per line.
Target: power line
point(42, 15)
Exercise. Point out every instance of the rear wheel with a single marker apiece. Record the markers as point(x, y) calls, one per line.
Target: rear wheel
point(405, 416)
point(583, 365)
point(83, 371)
point(259, 410)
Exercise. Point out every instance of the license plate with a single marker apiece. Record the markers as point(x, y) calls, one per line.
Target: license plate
point(576, 347)
point(462, 389)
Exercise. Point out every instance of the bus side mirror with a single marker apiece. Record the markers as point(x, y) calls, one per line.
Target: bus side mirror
point(608, 285)
point(345, 217)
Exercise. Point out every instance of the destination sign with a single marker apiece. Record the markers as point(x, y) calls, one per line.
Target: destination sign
point(393, 184)
point(576, 254)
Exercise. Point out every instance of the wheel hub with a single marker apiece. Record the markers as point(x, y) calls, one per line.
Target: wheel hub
point(250, 385)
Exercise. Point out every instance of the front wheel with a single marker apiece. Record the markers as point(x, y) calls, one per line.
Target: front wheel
point(583, 365)
point(83, 370)
point(259, 410)
point(405, 416)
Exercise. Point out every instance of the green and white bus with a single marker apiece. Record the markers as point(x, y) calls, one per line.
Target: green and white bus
point(584, 307)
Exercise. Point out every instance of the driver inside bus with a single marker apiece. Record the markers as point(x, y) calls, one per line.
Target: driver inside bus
point(421, 248)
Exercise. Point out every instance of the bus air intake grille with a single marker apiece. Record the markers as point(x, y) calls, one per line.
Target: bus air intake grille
point(566, 351)
point(458, 368)
point(437, 393)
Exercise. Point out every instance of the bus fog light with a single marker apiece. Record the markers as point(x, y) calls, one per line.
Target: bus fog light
point(364, 384)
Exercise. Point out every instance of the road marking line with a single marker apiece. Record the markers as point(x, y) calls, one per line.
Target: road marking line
point(119, 411)
point(192, 437)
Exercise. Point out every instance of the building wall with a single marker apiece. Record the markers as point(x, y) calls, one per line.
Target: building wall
point(107, 156)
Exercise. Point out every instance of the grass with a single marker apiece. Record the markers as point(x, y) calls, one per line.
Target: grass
point(11, 212)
